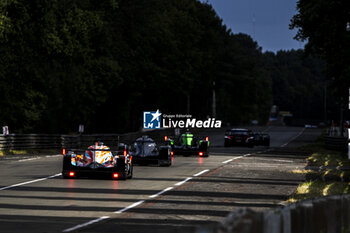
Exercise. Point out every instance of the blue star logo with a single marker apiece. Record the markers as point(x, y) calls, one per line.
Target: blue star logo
point(151, 120)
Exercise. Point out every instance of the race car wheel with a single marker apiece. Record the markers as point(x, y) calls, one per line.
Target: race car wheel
point(162, 163)
point(130, 172)
point(203, 146)
point(122, 168)
point(66, 166)
point(165, 163)
point(169, 162)
point(164, 156)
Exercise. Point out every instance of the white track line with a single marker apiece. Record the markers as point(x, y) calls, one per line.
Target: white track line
point(129, 207)
point(202, 172)
point(35, 158)
point(86, 224)
point(239, 157)
point(135, 204)
point(103, 217)
point(277, 160)
point(184, 181)
point(24, 160)
point(227, 161)
point(300, 133)
point(29, 182)
point(40, 157)
point(161, 192)
point(52, 156)
point(268, 128)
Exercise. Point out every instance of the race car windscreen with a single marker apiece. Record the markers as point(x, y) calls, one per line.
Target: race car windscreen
point(145, 148)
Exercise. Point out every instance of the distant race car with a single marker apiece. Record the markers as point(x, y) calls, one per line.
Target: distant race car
point(261, 139)
point(145, 151)
point(188, 144)
point(239, 137)
point(98, 160)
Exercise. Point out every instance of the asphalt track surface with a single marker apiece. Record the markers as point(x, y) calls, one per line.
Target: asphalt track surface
point(194, 192)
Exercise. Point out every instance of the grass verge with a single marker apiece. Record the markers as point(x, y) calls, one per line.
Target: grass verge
point(30, 152)
point(318, 188)
point(327, 173)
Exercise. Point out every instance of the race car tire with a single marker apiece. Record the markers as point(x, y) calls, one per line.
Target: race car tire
point(226, 144)
point(131, 172)
point(165, 163)
point(164, 156)
point(122, 168)
point(169, 161)
point(203, 146)
point(164, 152)
point(66, 166)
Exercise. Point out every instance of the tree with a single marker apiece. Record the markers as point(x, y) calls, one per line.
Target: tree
point(101, 63)
point(326, 26)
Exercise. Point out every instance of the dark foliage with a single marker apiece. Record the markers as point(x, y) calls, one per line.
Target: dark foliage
point(102, 63)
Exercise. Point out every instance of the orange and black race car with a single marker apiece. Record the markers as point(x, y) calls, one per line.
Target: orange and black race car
point(99, 161)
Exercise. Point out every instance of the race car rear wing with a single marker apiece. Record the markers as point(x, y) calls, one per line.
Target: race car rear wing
point(170, 141)
point(78, 151)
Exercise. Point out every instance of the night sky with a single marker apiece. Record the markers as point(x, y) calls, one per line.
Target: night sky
point(267, 21)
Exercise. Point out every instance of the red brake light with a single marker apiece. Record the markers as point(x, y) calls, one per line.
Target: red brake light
point(165, 138)
point(115, 175)
point(64, 151)
point(200, 153)
point(71, 174)
point(207, 138)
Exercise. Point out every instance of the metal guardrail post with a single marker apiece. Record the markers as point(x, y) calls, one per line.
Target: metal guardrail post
point(348, 143)
point(79, 140)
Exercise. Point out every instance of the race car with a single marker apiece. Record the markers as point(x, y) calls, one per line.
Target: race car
point(188, 144)
point(239, 137)
point(98, 160)
point(145, 151)
point(261, 139)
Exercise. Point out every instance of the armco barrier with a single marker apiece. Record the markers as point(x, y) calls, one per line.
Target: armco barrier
point(30, 141)
point(336, 143)
point(53, 141)
point(322, 215)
